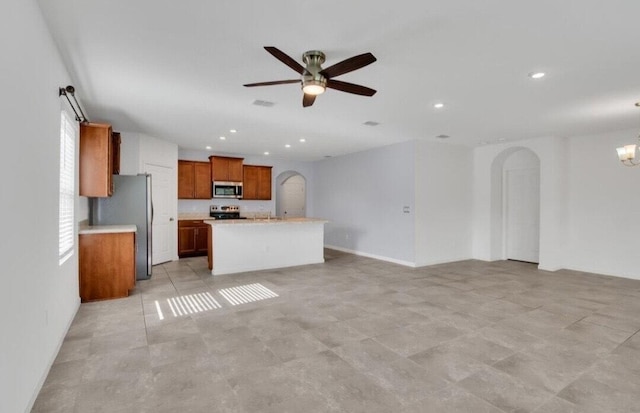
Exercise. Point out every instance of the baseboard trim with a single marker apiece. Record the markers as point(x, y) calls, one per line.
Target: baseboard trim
point(374, 256)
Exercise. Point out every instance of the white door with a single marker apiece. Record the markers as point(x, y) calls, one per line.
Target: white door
point(163, 221)
point(523, 214)
point(294, 197)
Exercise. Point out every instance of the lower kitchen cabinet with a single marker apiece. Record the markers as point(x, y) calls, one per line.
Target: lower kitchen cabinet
point(193, 236)
point(107, 265)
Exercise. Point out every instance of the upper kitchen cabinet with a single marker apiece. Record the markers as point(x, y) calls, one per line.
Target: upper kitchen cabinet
point(226, 169)
point(115, 148)
point(96, 160)
point(257, 183)
point(194, 180)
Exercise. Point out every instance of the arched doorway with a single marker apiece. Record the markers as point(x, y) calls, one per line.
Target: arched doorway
point(291, 195)
point(515, 193)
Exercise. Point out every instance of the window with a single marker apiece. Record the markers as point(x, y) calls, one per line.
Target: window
point(68, 133)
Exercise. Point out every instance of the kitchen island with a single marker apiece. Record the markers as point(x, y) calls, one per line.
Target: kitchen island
point(250, 245)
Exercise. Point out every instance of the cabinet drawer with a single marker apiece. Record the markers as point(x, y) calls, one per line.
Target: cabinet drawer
point(191, 223)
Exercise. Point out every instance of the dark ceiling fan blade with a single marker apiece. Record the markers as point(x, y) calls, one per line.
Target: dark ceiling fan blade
point(275, 82)
point(350, 88)
point(308, 100)
point(349, 65)
point(285, 58)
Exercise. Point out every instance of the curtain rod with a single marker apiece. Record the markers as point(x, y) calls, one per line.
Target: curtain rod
point(70, 90)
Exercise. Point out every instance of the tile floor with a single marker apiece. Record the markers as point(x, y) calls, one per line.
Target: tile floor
point(356, 335)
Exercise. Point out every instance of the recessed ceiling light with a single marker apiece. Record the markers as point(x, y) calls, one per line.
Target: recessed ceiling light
point(443, 136)
point(501, 139)
point(222, 138)
point(303, 140)
point(266, 153)
point(536, 75)
point(371, 123)
point(208, 147)
point(287, 146)
point(232, 131)
point(438, 105)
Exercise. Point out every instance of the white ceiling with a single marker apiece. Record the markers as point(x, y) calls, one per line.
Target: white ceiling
point(175, 70)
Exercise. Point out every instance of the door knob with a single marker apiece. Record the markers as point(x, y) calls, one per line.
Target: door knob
point(171, 219)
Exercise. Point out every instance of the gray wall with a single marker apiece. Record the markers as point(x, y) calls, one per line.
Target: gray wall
point(363, 196)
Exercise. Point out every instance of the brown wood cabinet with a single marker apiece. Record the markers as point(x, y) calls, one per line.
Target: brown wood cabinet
point(193, 238)
point(226, 169)
point(115, 150)
point(107, 265)
point(257, 183)
point(96, 160)
point(194, 180)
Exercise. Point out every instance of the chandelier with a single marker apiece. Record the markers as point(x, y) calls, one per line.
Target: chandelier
point(627, 153)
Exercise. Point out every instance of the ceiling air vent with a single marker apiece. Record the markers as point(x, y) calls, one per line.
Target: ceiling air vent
point(371, 123)
point(264, 103)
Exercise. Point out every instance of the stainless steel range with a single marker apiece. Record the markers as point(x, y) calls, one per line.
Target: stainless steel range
point(225, 212)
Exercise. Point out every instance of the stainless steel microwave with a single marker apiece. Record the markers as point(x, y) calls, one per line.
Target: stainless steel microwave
point(227, 189)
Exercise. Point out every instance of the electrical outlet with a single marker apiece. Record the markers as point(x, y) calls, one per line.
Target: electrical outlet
point(406, 209)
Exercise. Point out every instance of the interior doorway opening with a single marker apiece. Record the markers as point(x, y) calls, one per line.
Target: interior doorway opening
point(291, 195)
point(516, 206)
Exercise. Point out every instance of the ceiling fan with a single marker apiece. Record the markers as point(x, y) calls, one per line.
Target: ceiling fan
point(314, 79)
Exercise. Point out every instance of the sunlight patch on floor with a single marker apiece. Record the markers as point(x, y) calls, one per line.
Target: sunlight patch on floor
point(249, 293)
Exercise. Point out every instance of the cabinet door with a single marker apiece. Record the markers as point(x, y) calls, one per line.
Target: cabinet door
point(96, 160)
point(226, 169)
point(235, 170)
point(202, 238)
point(186, 240)
point(116, 140)
point(219, 168)
point(264, 183)
point(250, 183)
point(107, 266)
point(202, 178)
point(257, 182)
point(186, 179)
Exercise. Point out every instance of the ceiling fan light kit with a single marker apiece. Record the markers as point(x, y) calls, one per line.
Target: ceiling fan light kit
point(314, 80)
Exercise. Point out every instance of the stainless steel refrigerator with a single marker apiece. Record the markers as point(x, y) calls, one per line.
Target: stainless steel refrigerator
point(129, 204)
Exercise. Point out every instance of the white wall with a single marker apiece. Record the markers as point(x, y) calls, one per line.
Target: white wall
point(363, 196)
point(589, 204)
point(487, 199)
point(604, 207)
point(39, 298)
point(136, 151)
point(247, 207)
point(443, 203)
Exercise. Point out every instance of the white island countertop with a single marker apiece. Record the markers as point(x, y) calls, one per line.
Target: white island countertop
point(106, 229)
point(265, 221)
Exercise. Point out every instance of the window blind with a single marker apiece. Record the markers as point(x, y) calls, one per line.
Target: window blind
point(68, 133)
